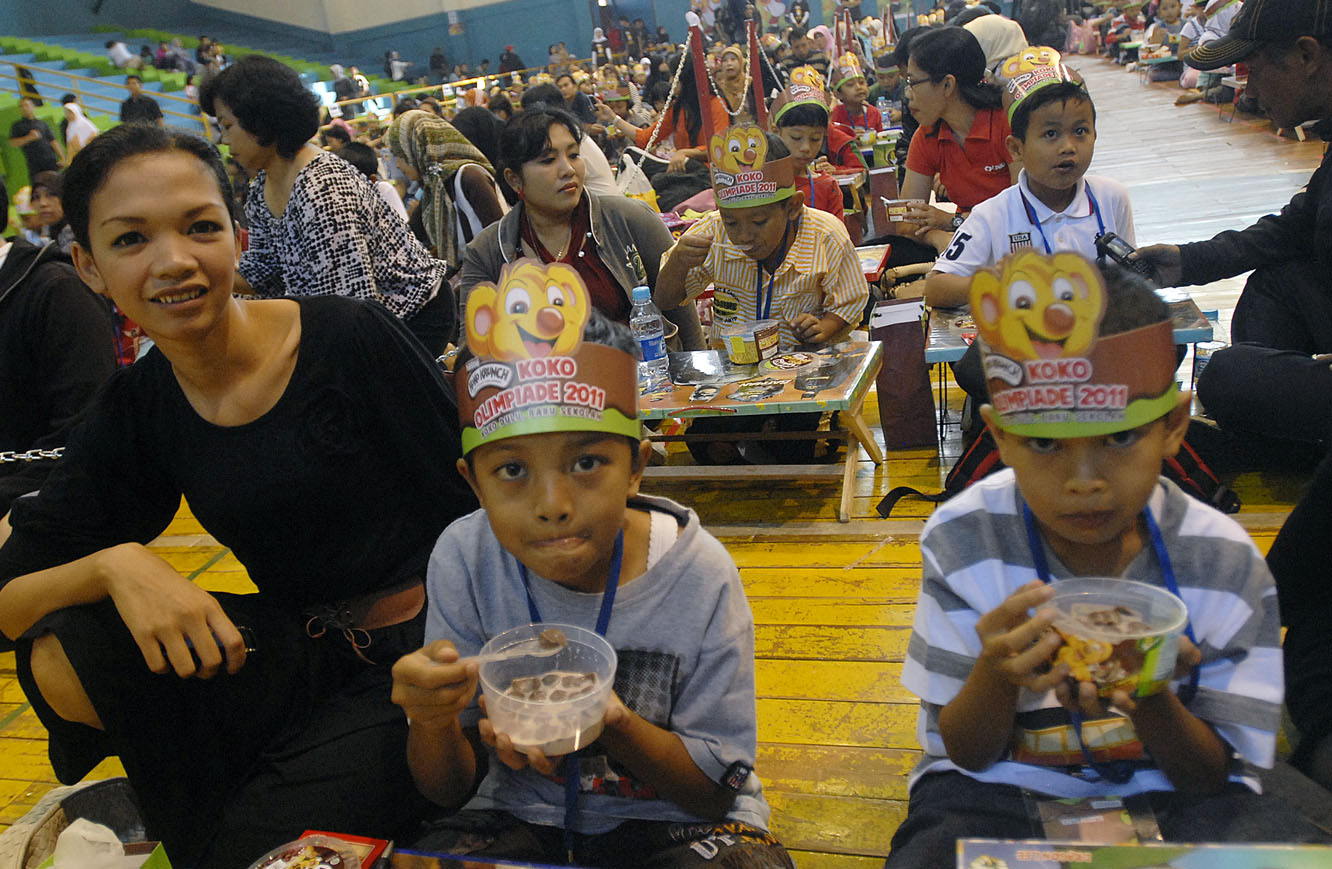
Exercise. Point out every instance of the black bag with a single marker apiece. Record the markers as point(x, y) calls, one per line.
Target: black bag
point(1186, 469)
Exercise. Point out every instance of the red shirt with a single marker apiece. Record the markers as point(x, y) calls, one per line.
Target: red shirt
point(843, 149)
point(868, 118)
point(971, 172)
point(822, 192)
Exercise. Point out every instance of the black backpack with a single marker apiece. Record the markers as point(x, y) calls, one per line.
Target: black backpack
point(1186, 469)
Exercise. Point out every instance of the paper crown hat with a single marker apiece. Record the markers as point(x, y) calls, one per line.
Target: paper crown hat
point(1049, 374)
point(1030, 70)
point(844, 69)
point(742, 176)
point(806, 92)
point(531, 372)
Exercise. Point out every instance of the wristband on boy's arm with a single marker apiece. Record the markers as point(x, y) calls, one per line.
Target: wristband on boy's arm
point(737, 774)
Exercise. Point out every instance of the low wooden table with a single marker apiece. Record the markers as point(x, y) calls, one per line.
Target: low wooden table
point(834, 378)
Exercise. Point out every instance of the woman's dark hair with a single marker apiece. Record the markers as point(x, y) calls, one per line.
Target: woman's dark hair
point(269, 101)
point(967, 16)
point(658, 92)
point(528, 132)
point(954, 51)
point(806, 115)
point(542, 93)
point(93, 165)
point(483, 129)
point(902, 53)
point(686, 98)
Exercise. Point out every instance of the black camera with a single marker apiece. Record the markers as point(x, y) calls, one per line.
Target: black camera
point(1110, 245)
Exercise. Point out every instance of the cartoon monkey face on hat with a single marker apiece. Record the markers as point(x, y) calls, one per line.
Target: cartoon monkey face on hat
point(808, 75)
point(1039, 307)
point(739, 148)
point(537, 310)
point(1029, 59)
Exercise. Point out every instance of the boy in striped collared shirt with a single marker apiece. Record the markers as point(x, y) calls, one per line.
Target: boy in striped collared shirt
point(767, 254)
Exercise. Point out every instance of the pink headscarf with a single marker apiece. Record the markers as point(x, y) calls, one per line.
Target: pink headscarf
point(829, 44)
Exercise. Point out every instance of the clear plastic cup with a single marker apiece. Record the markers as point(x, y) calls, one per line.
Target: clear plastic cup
point(1122, 635)
point(556, 727)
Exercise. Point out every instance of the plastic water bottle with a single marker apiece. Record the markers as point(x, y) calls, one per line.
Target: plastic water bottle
point(645, 321)
point(885, 112)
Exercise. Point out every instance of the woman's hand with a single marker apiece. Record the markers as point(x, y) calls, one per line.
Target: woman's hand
point(679, 160)
point(605, 113)
point(432, 685)
point(177, 625)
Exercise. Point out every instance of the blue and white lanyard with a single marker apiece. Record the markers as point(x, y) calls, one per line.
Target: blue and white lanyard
point(572, 770)
point(1117, 772)
point(1036, 222)
point(763, 301)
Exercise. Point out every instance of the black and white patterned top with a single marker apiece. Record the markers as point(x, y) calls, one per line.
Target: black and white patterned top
point(337, 237)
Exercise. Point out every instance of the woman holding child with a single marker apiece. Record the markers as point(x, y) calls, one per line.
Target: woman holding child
point(962, 134)
point(241, 719)
point(615, 243)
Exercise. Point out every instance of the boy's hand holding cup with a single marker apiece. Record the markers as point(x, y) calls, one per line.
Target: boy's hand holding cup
point(1017, 648)
point(1084, 697)
point(433, 685)
point(616, 715)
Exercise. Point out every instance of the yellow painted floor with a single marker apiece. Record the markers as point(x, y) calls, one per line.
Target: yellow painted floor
point(833, 602)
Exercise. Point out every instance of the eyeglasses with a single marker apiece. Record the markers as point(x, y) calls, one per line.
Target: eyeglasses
point(915, 83)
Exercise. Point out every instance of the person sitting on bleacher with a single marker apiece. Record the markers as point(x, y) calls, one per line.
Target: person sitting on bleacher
point(1003, 700)
point(1266, 387)
point(317, 228)
point(119, 54)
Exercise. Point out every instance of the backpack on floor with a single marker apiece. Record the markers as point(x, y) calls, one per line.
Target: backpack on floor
point(1186, 469)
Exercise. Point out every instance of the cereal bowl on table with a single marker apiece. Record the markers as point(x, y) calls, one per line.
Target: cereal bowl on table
point(554, 703)
point(1120, 634)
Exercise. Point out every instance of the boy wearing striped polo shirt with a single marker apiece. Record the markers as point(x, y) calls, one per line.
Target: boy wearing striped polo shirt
point(767, 254)
point(1085, 408)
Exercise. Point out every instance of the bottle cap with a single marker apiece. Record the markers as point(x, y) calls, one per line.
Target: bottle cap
point(642, 294)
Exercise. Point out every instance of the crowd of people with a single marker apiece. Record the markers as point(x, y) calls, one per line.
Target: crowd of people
point(326, 394)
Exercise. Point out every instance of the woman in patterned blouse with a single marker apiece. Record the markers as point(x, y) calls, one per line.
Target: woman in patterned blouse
point(317, 226)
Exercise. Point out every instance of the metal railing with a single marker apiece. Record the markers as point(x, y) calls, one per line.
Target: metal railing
point(173, 105)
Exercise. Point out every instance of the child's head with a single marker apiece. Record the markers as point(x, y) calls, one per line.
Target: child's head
point(801, 44)
point(753, 177)
point(1054, 135)
point(140, 196)
point(800, 114)
point(887, 72)
point(1168, 11)
point(134, 83)
point(1084, 404)
point(848, 80)
point(551, 441)
point(362, 156)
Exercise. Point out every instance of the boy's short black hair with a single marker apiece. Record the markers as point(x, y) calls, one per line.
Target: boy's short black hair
point(362, 156)
point(806, 115)
point(337, 132)
point(137, 78)
point(543, 93)
point(1051, 93)
point(269, 100)
point(500, 103)
point(1130, 301)
point(797, 33)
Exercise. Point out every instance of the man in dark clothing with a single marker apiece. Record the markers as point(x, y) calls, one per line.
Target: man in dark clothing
point(41, 150)
point(1267, 384)
point(57, 347)
point(139, 107)
point(510, 61)
point(439, 66)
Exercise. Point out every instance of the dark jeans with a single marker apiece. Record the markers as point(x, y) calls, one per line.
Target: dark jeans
point(1299, 559)
point(948, 806)
point(633, 844)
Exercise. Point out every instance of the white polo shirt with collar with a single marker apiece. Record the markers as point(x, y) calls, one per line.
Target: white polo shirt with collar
point(1015, 220)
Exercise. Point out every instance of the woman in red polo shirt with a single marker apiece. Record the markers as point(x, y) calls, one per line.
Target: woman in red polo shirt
point(961, 139)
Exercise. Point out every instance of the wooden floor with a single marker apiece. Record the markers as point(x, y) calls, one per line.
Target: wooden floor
point(833, 602)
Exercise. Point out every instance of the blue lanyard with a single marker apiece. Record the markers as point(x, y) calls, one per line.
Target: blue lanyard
point(1117, 772)
point(809, 176)
point(763, 301)
point(572, 771)
point(1035, 221)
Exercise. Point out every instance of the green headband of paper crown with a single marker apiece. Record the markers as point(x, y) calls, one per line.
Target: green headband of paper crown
point(846, 68)
point(742, 176)
point(800, 94)
point(1048, 372)
point(1030, 70)
point(531, 372)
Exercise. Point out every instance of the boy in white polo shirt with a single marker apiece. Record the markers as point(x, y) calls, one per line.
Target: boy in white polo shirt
point(1053, 207)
